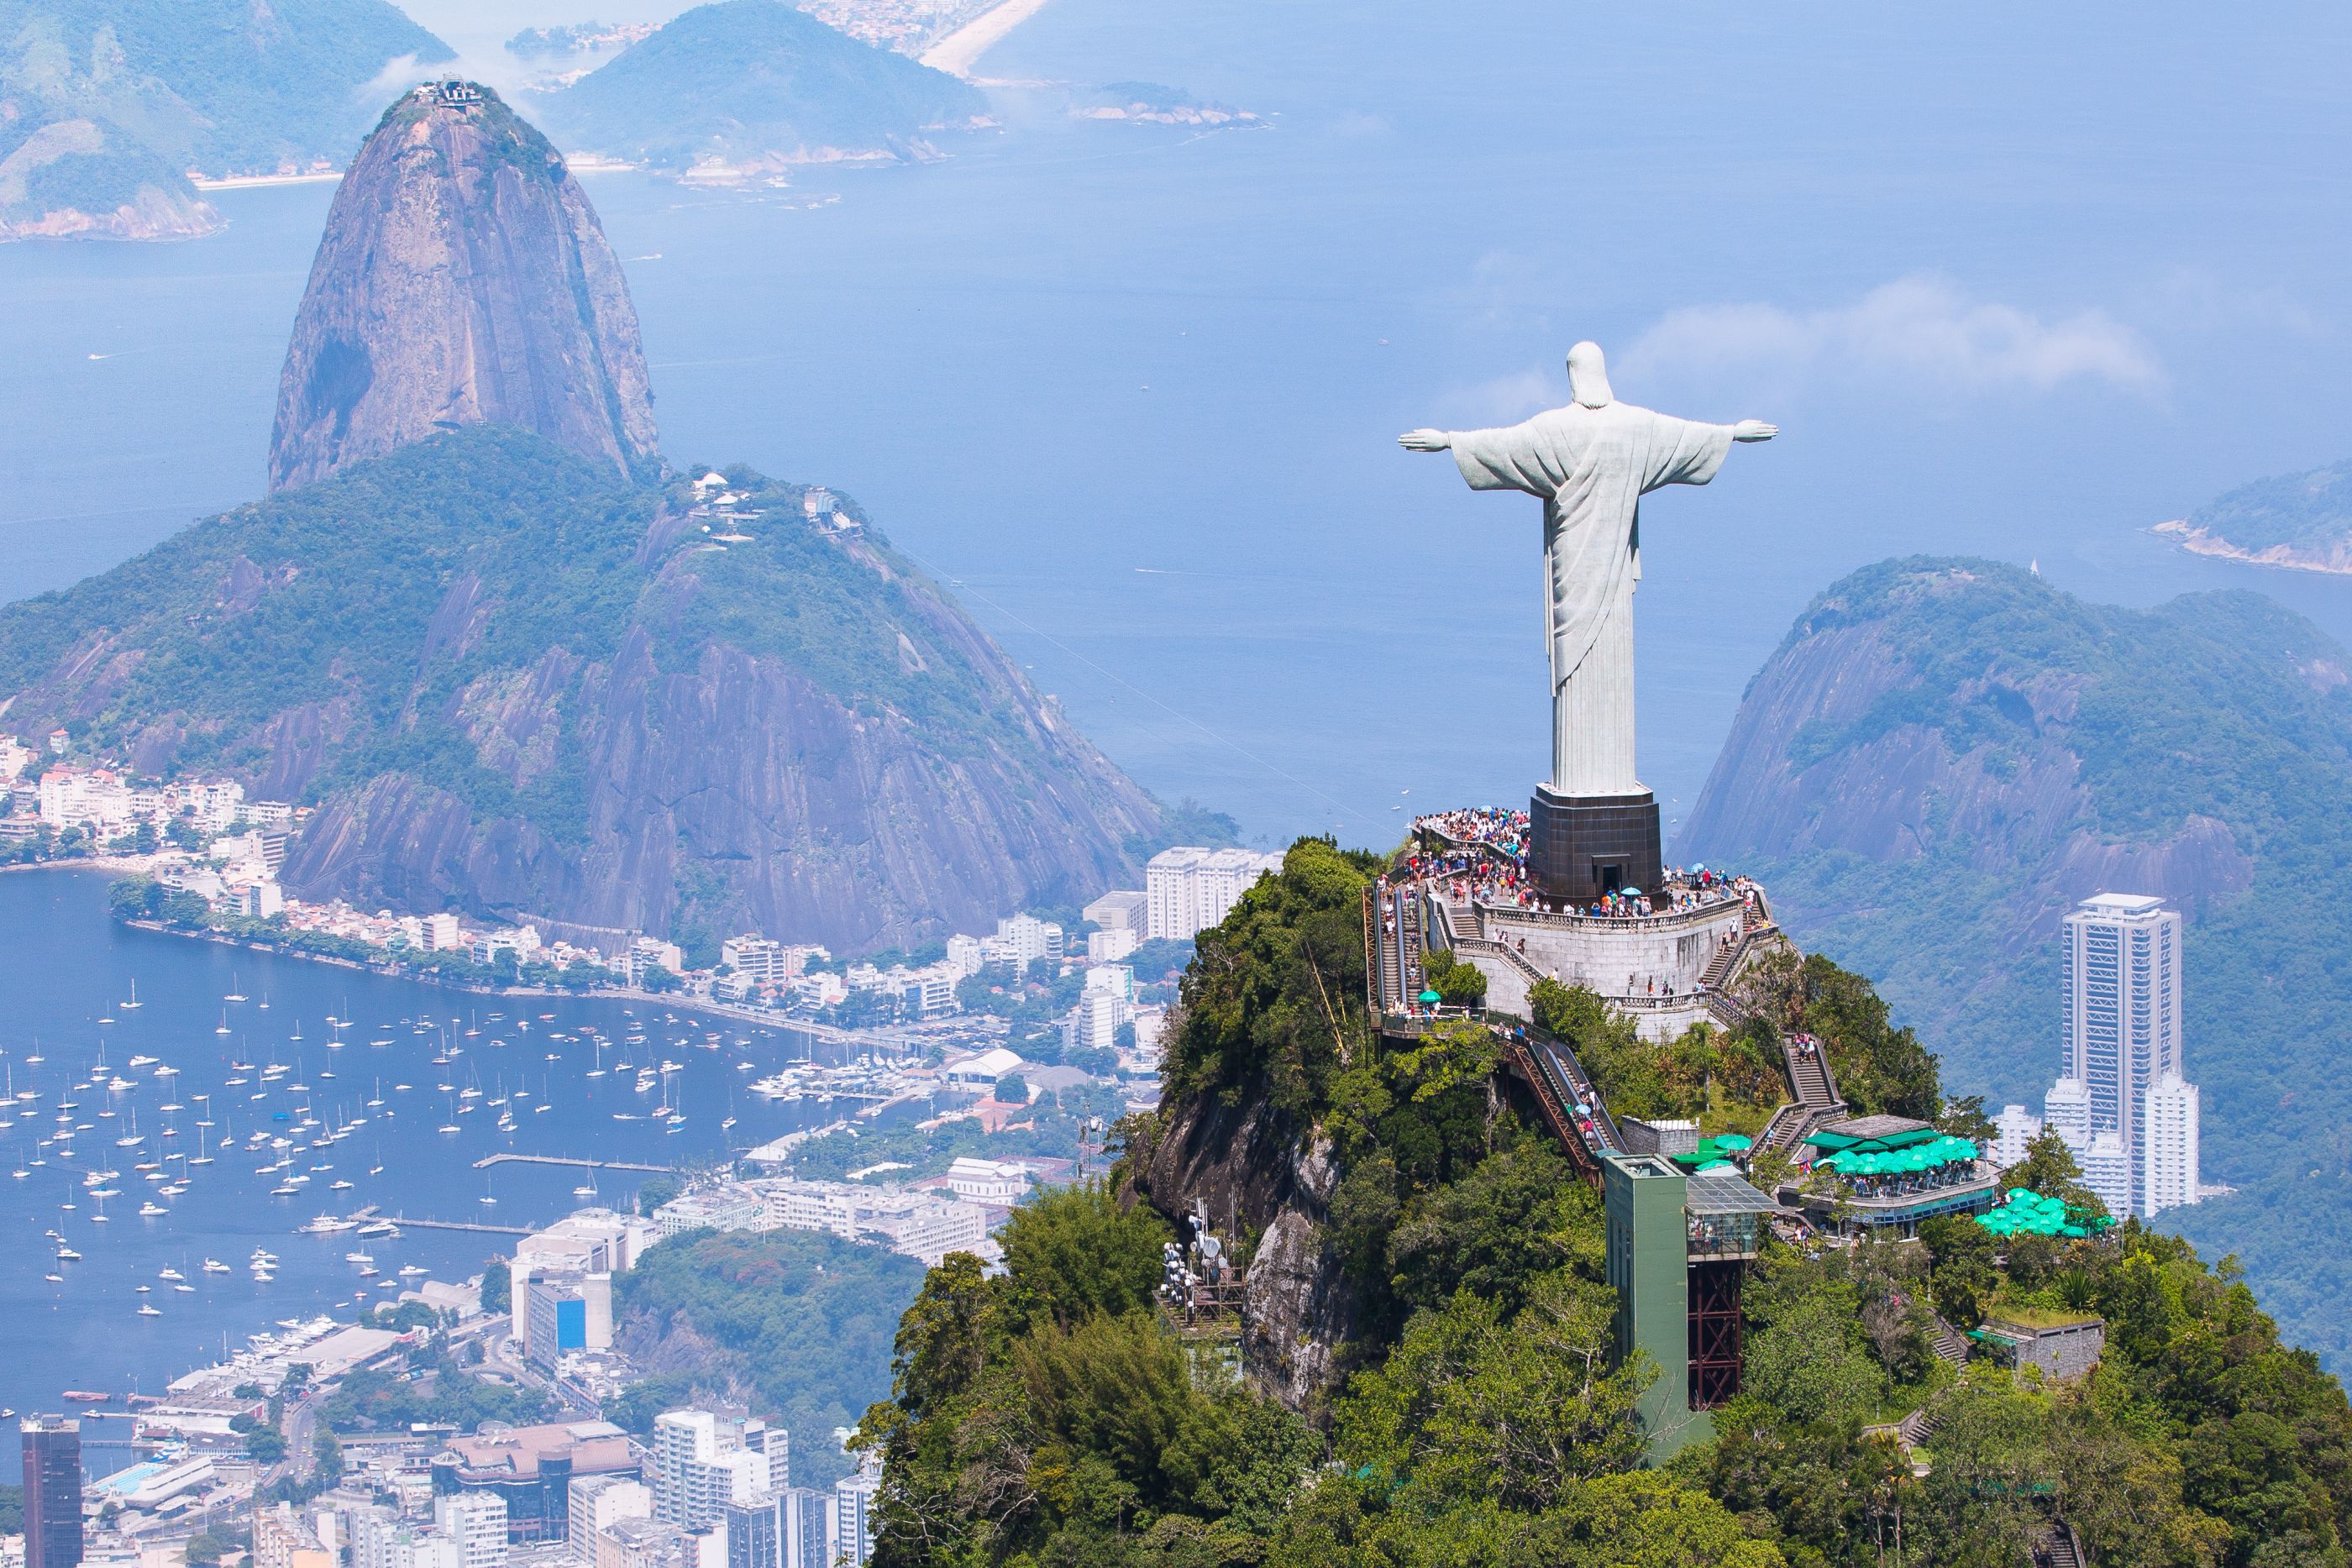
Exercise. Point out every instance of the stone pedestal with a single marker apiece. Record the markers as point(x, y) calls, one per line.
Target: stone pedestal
point(1582, 847)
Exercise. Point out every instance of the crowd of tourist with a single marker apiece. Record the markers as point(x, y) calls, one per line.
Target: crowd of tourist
point(1497, 827)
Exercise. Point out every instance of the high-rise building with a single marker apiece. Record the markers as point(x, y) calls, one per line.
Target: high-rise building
point(598, 1503)
point(476, 1523)
point(853, 1518)
point(2168, 1176)
point(2013, 1129)
point(2122, 969)
point(52, 1491)
point(755, 1533)
point(703, 1463)
point(805, 1527)
point(1188, 889)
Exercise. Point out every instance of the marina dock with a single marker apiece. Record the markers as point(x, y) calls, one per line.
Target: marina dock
point(488, 1160)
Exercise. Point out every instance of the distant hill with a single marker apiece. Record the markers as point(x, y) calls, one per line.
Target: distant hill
point(753, 87)
point(107, 105)
point(463, 279)
point(2300, 520)
point(517, 682)
point(1944, 754)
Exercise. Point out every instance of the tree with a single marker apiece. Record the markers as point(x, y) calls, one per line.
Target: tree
point(265, 1444)
point(1961, 1277)
point(1074, 1253)
point(497, 1286)
point(1469, 1406)
point(202, 1551)
point(1807, 1356)
point(1012, 1090)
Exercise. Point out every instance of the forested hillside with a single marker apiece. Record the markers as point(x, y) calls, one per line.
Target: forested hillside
point(516, 683)
point(1050, 1415)
point(1944, 756)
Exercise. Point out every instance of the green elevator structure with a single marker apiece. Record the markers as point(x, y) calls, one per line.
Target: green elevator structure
point(1679, 1249)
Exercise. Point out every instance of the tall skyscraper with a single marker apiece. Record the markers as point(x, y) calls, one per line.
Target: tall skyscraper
point(2122, 970)
point(704, 1462)
point(52, 1491)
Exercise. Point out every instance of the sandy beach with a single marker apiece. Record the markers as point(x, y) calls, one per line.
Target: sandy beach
point(961, 50)
point(249, 182)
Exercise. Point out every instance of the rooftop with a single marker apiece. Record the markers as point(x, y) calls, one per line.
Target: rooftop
point(1720, 1192)
point(1876, 1129)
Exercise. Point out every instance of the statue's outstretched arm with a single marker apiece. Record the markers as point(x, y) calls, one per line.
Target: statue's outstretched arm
point(1425, 440)
point(1749, 430)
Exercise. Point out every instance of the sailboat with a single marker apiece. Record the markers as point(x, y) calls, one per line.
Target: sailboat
point(202, 1159)
point(135, 1001)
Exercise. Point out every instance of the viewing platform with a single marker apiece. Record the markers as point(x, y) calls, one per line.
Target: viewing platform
point(1665, 955)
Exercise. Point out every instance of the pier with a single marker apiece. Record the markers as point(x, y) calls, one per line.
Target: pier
point(407, 1224)
point(488, 1160)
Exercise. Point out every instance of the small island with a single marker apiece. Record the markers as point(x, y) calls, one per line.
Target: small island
point(2300, 521)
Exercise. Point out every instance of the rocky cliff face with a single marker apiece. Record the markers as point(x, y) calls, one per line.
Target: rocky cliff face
point(1253, 1171)
point(554, 698)
point(1840, 748)
point(463, 279)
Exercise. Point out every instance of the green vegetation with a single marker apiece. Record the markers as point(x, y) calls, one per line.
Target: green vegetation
point(164, 86)
point(1047, 1417)
point(2310, 514)
point(2251, 731)
point(798, 1322)
point(453, 613)
point(755, 82)
point(374, 1400)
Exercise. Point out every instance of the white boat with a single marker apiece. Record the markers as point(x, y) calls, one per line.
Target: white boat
point(214, 1266)
point(147, 1311)
point(67, 1254)
point(149, 1210)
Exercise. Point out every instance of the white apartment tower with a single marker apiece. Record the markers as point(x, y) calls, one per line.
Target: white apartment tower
point(477, 1521)
point(2168, 1144)
point(2121, 966)
point(1188, 890)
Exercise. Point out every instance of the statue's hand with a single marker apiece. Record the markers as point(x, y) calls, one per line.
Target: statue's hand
point(1754, 430)
point(1425, 440)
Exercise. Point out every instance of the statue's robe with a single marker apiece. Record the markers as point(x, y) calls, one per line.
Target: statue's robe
point(1592, 467)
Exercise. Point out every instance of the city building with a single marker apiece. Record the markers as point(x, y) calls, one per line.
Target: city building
point(1110, 946)
point(1188, 890)
point(641, 1543)
point(378, 1540)
point(2121, 965)
point(573, 1252)
point(476, 1523)
point(52, 1482)
point(597, 1503)
point(806, 1528)
point(755, 1532)
point(531, 1470)
point(1121, 910)
point(705, 1463)
point(284, 1539)
point(2013, 1129)
point(2168, 1174)
point(853, 1516)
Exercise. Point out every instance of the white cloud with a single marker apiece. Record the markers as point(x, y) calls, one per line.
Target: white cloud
point(399, 73)
point(1920, 328)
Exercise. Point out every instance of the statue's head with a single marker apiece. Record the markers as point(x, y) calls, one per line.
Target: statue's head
point(1588, 376)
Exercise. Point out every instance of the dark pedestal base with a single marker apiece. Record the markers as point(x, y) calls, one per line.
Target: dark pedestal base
point(1582, 847)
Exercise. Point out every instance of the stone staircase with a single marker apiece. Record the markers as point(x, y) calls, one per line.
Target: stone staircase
point(1950, 1344)
point(2056, 1545)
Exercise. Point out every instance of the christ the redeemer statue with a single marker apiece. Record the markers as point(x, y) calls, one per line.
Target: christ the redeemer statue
point(1592, 462)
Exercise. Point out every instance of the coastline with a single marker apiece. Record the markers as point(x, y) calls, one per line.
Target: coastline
point(2196, 541)
point(961, 50)
point(254, 181)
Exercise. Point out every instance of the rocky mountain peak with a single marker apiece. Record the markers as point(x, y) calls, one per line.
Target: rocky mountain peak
point(463, 279)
